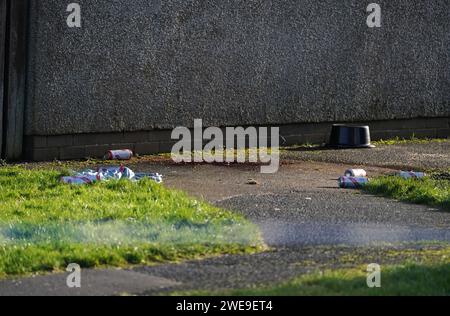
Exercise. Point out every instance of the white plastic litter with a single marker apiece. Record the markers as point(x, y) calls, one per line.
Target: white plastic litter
point(108, 173)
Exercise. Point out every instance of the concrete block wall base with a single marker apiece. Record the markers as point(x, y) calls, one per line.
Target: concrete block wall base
point(81, 146)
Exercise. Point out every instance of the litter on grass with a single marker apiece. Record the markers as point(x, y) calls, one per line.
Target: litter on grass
point(357, 178)
point(412, 175)
point(109, 173)
point(353, 179)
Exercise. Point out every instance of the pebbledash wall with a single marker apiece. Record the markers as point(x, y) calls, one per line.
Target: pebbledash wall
point(138, 68)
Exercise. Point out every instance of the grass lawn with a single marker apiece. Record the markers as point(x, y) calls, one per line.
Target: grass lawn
point(45, 225)
point(425, 273)
point(395, 280)
point(433, 191)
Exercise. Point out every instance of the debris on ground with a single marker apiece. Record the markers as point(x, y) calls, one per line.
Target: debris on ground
point(252, 182)
point(355, 173)
point(411, 175)
point(352, 182)
point(353, 179)
point(109, 173)
point(121, 154)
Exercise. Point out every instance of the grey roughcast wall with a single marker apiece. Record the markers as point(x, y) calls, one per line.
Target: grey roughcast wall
point(141, 65)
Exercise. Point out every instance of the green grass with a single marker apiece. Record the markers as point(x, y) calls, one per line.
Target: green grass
point(422, 273)
point(412, 140)
point(45, 225)
point(428, 191)
point(408, 279)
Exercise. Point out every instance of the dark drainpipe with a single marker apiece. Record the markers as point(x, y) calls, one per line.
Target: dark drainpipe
point(13, 39)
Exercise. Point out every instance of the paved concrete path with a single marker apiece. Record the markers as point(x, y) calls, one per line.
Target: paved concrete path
point(93, 283)
point(422, 156)
point(333, 218)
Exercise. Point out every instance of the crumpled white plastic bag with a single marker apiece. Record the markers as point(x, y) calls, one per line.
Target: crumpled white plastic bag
point(108, 173)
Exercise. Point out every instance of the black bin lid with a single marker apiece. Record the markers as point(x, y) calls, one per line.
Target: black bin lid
point(350, 136)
